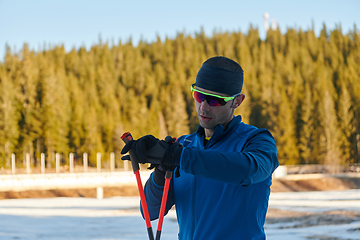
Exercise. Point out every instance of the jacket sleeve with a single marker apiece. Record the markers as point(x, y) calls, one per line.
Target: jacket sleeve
point(254, 163)
point(153, 195)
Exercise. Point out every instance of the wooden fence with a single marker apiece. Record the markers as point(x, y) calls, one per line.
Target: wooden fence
point(71, 166)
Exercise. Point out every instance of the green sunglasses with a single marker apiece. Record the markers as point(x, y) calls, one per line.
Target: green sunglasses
point(212, 99)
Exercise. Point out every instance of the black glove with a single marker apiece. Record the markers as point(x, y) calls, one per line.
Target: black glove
point(140, 148)
point(171, 158)
point(149, 149)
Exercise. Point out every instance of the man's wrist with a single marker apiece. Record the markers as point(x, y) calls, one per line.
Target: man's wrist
point(159, 177)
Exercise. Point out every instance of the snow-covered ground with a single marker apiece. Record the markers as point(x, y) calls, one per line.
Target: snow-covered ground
point(319, 203)
point(119, 218)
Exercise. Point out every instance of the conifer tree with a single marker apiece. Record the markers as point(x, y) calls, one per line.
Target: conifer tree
point(347, 124)
point(9, 130)
point(29, 107)
point(175, 112)
point(306, 128)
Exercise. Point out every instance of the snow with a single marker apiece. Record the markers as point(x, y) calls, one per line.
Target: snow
point(77, 218)
point(119, 218)
point(316, 201)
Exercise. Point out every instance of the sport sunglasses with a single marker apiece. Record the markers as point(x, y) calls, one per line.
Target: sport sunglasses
point(212, 99)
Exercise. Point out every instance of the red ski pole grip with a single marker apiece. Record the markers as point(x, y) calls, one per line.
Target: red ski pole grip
point(126, 137)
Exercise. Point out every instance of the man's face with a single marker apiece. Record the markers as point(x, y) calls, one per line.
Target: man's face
point(210, 116)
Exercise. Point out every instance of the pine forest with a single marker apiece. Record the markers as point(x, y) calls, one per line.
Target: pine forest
point(302, 86)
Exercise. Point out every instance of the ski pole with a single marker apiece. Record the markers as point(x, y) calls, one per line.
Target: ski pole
point(168, 176)
point(126, 137)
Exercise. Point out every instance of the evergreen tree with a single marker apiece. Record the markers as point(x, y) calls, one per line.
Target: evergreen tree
point(28, 99)
point(347, 124)
point(9, 130)
point(306, 126)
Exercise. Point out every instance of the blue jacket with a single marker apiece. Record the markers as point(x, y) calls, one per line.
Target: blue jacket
point(224, 187)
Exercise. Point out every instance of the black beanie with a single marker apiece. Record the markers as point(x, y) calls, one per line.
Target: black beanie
point(218, 79)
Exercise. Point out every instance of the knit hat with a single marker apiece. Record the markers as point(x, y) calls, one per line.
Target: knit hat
point(219, 79)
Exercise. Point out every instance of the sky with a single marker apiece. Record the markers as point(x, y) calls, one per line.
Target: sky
point(74, 23)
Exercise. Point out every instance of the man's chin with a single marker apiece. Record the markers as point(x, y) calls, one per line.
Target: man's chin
point(206, 125)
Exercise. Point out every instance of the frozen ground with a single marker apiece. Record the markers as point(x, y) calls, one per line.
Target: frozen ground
point(119, 218)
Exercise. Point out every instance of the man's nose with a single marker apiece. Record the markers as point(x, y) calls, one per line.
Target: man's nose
point(204, 105)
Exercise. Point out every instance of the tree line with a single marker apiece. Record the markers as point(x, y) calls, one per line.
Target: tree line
point(303, 88)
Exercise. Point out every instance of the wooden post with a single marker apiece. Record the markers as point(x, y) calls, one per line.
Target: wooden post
point(13, 166)
point(126, 165)
point(42, 162)
point(28, 168)
point(112, 162)
point(98, 161)
point(71, 162)
point(358, 146)
point(85, 160)
point(57, 157)
point(24, 159)
point(99, 192)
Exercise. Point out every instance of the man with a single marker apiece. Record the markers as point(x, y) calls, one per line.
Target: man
point(225, 166)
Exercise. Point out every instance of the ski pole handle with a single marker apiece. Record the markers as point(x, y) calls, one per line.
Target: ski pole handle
point(126, 137)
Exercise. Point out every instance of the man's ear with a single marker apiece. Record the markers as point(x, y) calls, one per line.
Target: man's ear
point(238, 100)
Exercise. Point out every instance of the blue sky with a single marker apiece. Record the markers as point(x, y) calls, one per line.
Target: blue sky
point(76, 23)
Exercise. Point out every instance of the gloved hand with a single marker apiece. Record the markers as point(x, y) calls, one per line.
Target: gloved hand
point(149, 149)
